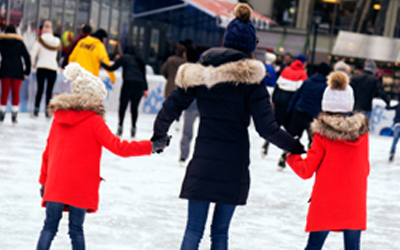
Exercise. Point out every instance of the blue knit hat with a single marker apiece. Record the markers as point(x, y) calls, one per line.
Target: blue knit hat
point(302, 58)
point(241, 33)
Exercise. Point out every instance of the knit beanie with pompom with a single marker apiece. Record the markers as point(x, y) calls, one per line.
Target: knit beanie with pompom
point(83, 83)
point(241, 33)
point(338, 97)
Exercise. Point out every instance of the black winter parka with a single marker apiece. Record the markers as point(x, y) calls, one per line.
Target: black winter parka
point(366, 85)
point(229, 90)
point(12, 48)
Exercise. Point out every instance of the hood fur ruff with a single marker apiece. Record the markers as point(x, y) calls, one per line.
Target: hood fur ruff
point(67, 101)
point(247, 71)
point(338, 127)
point(11, 36)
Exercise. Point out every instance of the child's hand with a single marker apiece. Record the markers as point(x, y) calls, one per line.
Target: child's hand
point(158, 144)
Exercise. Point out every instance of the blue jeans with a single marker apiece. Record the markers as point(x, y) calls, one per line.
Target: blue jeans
point(351, 240)
point(53, 216)
point(197, 217)
point(396, 135)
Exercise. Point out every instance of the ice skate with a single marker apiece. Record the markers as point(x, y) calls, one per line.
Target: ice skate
point(2, 115)
point(182, 162)
point(133, 132)
point(36, 112)
point(14, 117)
point(264, 149)
point(282, 162)
point(119, 131)
point(391, 157)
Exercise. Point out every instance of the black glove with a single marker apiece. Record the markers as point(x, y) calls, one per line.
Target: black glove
point(41, 191)
point(298, 148)
point(159, 143)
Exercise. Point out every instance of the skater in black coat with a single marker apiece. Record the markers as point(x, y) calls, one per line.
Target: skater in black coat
point(134, 85)
point(228, 86)
point(12, 71)
point(366, 86)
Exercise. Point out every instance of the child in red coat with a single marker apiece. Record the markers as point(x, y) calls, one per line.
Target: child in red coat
point(339, 158)
point(70, 172)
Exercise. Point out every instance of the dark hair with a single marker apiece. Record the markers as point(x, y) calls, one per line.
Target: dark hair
point(86, 29)
point(288, 54)
point(180, 49)
point(131, 50)
point(360, 66)
point(10, 29)
point(324, 69)
point(100, 34)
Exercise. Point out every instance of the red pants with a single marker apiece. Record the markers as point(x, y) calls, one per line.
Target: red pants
point(15, 85)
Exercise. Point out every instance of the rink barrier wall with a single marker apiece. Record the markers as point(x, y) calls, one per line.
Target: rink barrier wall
point(150, 105)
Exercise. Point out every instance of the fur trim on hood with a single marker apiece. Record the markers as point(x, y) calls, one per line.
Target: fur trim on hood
point(11, 36)
point(77, 102)
point(50, 42)
point(340, 127)
point(247, 71)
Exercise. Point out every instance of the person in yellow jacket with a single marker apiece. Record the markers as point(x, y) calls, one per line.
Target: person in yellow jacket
point(89, 51)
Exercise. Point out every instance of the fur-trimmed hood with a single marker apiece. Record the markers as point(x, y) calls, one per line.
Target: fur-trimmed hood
point(340, 127)
point(11, 36)
point(76, 102)
point(49, 41)
point(248, 71)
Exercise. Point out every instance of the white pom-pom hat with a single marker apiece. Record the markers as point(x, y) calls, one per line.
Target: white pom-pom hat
point(338, 97)
point(84, 83)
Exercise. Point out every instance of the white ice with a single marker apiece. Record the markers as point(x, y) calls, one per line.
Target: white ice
point(139, 205)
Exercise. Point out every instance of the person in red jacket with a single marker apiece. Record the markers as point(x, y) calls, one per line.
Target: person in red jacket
point(288, 83)
point(339, 158)
point(70, 172)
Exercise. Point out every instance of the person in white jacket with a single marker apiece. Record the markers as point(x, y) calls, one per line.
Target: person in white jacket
point(44, 59)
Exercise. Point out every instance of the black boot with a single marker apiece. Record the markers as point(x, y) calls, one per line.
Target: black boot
point(2, 115)
point(14, 117)
point(47, 114)
point(36, 112)
point(133, 132)
point(119, 131)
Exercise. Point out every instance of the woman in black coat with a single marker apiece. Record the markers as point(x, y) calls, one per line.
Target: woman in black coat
point(133, 87)
point(229, 89)
point(12, 71)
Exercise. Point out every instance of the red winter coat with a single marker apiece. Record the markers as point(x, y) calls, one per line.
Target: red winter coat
point(339, 158)
point(71, 162)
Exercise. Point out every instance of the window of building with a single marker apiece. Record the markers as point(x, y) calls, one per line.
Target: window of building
point(285, 12)
point(344, 15)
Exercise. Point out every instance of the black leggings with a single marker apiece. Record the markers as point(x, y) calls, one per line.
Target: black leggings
point(42, 75)
point(133, 92)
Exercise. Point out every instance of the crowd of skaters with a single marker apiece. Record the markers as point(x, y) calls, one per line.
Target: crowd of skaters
point(333, 107)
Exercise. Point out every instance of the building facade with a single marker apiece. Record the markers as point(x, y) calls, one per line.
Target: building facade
point(154, 26)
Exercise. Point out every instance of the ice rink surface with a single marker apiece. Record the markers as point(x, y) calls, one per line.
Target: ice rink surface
point(139, 205)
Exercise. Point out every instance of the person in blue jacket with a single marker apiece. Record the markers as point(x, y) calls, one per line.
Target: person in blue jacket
point(228, 86)
point(396, 130)
point(306, 102)
point(270, 78)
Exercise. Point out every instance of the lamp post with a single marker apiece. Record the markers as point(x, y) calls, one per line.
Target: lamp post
point(316, 21)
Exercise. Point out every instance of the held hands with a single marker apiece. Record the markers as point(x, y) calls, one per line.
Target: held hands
point(159, 143)
point(298, 148)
